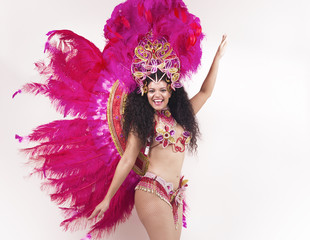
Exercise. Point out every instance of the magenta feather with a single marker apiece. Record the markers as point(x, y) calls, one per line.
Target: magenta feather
point(77, 157)
point(132, 20)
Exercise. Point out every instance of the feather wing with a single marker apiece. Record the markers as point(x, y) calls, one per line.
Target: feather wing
point(77, 157)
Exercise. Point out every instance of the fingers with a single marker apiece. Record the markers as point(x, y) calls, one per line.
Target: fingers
point(100, 209)
point(224, 38)
point(94, 214)
point(221, 49)
point(97, 212)
point(101, 214)
point(224, 41)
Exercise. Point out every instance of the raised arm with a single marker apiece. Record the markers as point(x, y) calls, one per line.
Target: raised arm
point(122, 170)
point(207, 87)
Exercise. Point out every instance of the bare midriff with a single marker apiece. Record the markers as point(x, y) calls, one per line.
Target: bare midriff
point(165, 162)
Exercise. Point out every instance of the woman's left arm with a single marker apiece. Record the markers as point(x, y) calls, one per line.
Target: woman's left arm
point(207, 87)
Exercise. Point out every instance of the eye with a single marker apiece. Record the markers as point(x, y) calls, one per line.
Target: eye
point(163, 90)
point(151, 90)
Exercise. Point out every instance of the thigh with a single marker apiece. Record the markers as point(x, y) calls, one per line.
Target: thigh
point(180, 222)
point(156, 216)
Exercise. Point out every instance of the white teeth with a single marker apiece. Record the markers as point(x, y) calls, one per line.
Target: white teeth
point(157, 102)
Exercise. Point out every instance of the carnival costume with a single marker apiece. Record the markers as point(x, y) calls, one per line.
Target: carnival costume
point(77, 156)
point(165, 191)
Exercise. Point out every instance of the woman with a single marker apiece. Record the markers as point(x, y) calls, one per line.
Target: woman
point(160, 211)
point(85, 158)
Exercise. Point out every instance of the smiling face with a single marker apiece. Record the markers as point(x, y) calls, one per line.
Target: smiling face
point(158, 95)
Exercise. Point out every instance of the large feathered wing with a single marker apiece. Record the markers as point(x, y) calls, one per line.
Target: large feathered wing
point(77, 157)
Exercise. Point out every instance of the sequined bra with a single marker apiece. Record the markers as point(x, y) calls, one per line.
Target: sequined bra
point(165, 133)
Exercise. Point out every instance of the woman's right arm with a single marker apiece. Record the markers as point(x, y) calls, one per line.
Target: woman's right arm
point(122, 170)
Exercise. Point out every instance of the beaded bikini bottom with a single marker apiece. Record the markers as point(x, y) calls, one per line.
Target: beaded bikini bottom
point(164, 190)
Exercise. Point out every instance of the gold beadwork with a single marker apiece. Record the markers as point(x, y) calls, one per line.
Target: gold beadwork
point(155, 193)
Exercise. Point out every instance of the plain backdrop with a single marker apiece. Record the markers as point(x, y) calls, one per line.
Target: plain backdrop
point(250, 179)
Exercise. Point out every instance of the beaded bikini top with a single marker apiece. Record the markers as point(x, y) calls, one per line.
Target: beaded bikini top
point(165, 133)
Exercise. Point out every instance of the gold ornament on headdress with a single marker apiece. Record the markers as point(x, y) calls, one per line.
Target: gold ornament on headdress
point(152, 55)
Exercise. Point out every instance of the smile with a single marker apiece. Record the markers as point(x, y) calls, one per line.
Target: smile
point(157, 101)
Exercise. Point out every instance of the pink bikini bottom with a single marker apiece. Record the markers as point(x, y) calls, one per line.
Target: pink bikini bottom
point(164, 190)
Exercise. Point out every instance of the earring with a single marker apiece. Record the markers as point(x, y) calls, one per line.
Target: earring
point(169, 88)
point(144, 90)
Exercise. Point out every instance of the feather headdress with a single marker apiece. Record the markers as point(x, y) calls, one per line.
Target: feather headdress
point(77, 157)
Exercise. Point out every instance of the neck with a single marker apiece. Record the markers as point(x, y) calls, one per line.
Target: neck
point(165, 116)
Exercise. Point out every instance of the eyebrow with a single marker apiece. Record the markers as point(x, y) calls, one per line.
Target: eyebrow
point(159, 88)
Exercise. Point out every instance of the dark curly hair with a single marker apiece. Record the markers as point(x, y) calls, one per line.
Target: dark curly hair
point(139, 114)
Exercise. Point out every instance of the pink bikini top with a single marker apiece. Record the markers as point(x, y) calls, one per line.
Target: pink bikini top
point(164, 132)
point(165, 136)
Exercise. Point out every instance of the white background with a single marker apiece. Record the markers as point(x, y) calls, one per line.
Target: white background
point(250, 179)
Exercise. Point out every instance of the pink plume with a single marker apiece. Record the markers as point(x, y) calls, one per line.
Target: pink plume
point(17, 92)
point(77, 157)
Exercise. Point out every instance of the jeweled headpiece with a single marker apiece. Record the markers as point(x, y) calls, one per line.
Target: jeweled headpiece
point(100, 81)
point(152, 55)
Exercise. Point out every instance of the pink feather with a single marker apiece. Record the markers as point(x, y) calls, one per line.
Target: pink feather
point(77, 157)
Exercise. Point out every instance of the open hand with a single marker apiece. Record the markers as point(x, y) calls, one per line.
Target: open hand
point(100, 209)
point(221, 49)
